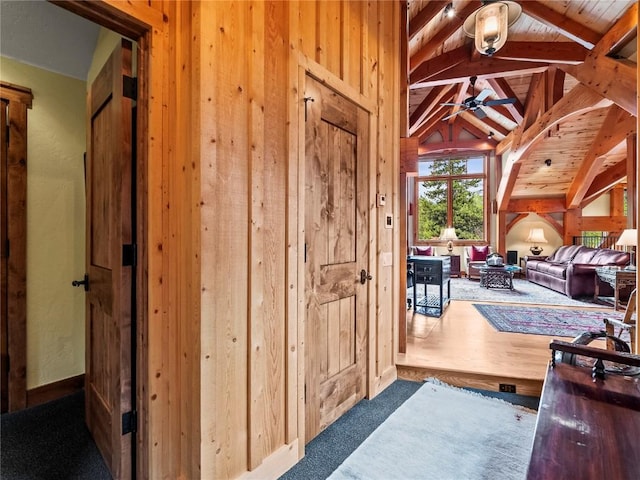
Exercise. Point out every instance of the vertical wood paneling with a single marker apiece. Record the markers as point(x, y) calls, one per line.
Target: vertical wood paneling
point(258, 290)
point(307, 19)
point(229, 230)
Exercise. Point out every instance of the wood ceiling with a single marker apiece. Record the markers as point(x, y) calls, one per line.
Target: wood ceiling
point(572, 67)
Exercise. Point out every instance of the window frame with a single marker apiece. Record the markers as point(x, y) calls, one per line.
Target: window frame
point(484, 176)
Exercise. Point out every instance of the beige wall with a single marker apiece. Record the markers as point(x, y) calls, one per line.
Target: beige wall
point(55, 222)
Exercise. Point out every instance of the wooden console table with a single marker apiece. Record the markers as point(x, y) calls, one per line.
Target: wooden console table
point(618, 278)
point(435, 271)
point(587, 428)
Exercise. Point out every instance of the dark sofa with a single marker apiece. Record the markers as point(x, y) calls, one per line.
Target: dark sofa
point(571, 269)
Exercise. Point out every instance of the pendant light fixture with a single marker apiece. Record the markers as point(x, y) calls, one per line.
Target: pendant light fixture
point(490, 23)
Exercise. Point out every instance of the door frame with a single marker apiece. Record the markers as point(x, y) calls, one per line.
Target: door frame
point(14, 214)
point(146, 27)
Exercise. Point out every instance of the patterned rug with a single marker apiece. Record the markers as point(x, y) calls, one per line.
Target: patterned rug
point(553, 322)
point(523, 292)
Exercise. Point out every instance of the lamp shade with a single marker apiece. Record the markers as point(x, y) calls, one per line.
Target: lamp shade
point(536, 235)
point(629, 238)
point(449, 233)
point(490, 23)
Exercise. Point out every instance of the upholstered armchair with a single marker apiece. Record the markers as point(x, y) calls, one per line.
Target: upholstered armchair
point(476, 257)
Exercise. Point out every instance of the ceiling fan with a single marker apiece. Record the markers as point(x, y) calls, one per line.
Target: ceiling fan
point(474, 102)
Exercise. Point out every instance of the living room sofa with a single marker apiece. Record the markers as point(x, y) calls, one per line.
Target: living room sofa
point(571, 269)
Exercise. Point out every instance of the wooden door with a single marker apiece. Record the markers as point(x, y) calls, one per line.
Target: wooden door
point(336, 251)
point(109, 232)
point(4, 313)
point(15, 101)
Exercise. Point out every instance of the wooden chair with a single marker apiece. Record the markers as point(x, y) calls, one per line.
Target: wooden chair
point(628, 323)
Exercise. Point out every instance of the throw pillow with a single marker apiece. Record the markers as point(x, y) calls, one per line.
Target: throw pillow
point(423, 251)
point(479, 253)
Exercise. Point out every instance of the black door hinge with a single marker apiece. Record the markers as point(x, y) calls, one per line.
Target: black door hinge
point(129, 422)
point(129, 255)
point(130, 87)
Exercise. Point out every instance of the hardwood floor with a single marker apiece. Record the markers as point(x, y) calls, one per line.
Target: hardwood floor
point(462, 349)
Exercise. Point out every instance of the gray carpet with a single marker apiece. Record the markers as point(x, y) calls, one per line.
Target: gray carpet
point(523, 292)
point(50, 442)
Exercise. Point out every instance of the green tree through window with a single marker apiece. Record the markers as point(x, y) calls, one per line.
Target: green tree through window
point(450, 191)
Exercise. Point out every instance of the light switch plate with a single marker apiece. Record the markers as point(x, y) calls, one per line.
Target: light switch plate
point(387, 259)
point(388, 221)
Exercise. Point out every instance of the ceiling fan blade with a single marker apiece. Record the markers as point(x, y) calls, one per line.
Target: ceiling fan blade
point(483, 94)
point(479, 113)
point(452, 104)
point(500, 101)
point(453, 114)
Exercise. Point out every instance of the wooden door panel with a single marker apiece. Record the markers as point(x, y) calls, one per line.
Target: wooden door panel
point(336, 241)
point(4, 313)
point(109, 214)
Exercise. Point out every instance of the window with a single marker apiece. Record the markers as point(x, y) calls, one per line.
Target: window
point(451, 192)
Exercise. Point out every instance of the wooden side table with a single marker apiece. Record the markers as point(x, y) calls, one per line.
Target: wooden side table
point(455, 265)
point(618, 278)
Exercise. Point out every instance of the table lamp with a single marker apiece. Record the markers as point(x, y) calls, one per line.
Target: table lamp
point(536, 236)
point(629, 238)
point(449, 234)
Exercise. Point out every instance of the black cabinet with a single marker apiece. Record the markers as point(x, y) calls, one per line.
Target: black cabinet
point(434, 274)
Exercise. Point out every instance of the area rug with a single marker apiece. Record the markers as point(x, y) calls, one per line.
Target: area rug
point(523, 292)
point(443, 432)
point(554, 322)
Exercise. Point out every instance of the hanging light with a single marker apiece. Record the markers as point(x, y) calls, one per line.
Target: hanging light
point(490, 24)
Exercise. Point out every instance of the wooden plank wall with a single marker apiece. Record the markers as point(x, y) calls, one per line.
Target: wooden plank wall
point(224, 218)
point(250, 217)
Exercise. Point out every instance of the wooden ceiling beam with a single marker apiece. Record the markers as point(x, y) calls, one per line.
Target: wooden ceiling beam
point(537, 205)
point(563, 24)
point(455, 146)
point(557, 226)
point(515, 220)
point(550, 52)
point(436, 96)
point(620, 33)
point(432, 121)
point(605, 182)
point(442, 63)
point(473, 129)
point(424, 16)
point(507, 182)
point(617, 125)
point(484, 68)
point(503, 90)
point(491, 124)
point(449, 27)
point(463, 92)
point(613, 79)
point(610, 78)
point(580, 99)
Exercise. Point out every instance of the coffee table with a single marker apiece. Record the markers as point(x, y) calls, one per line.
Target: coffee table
point(498, 277)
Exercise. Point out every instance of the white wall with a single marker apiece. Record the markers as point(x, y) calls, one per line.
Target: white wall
point(55, 222)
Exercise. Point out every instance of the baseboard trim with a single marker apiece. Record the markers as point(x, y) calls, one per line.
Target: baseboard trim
point(54, 390)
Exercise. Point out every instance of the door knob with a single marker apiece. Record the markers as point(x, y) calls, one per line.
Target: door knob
point(85, 282)
point(364, 276)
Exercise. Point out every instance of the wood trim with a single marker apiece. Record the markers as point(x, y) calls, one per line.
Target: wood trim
point(54, 390)
point(20, 99)
point(148, 25)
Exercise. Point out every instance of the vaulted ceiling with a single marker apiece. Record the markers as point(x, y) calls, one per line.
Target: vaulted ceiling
point(571, 68)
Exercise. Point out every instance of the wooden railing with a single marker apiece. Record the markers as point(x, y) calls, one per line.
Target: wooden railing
point(608, 241)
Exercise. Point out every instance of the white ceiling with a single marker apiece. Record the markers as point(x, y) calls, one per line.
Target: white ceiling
point(41, 34)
